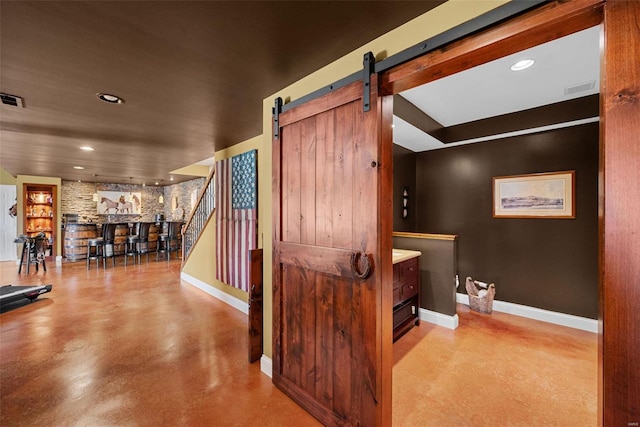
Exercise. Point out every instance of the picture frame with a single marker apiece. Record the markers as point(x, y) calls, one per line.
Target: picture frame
point(537, 195)
point(119, 203)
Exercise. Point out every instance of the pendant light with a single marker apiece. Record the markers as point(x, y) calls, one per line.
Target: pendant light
point(95, 190)
point(130, 193)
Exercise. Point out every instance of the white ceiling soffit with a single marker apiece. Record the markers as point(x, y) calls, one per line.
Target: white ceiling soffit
point(492, 89)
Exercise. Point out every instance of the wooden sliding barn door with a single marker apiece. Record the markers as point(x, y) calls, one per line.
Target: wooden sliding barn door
point(332, 217)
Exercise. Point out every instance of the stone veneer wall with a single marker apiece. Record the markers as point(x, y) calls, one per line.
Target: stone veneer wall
point(77, 198)
point(182, 195)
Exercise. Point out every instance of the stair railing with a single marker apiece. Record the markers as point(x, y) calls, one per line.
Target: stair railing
point(199, 217)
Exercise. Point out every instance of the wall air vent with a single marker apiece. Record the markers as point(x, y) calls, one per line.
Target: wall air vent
point(582, 87)
point(14, 101)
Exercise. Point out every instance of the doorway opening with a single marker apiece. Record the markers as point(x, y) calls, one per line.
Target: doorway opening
point(455, 135)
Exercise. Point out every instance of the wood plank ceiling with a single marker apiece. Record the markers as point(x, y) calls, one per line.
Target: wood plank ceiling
point(193, 76)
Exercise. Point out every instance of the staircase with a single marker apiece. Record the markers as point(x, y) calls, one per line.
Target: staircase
point(199, 217)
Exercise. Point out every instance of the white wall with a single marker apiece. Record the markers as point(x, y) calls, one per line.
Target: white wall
point(8, 224)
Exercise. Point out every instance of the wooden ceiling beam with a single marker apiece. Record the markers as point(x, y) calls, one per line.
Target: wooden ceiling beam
point(411, 114)
point(546, 23)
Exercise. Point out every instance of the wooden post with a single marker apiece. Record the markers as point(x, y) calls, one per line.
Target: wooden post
point(619, 379)
point(255, 305)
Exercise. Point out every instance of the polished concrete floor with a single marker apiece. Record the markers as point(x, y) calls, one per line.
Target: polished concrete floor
point(495, 370)
point(135, 346)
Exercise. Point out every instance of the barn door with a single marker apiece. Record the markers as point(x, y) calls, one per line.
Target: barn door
point(332, 257)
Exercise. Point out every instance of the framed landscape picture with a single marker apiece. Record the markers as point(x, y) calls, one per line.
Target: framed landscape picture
point(539, 195)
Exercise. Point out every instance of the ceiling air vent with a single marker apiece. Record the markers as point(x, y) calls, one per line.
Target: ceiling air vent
point(582, 87)
point(12, 100)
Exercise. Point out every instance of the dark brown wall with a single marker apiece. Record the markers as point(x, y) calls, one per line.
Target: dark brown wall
point(404, 175)
point(546, 263)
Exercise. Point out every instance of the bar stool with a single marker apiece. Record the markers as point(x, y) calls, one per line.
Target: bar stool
point(33, 251)
point(143, 240)
point(109, 235)
point(39, 246)
point(95, 250)
point(165, 240)
point(131, 245)
point(25, 254)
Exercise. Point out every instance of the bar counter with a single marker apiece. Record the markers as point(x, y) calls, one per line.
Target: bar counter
point(75, 236)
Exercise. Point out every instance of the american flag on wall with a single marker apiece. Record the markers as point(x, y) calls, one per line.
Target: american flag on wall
point(237, 218)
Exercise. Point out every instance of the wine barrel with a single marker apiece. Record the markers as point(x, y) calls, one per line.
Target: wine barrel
point(120, 240)
point(154, 230)
point(75, 240)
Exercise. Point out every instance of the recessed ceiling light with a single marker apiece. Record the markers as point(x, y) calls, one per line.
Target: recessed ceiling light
point(113, 99)
point(86, 148)
point(78, 167)
point(522, 64)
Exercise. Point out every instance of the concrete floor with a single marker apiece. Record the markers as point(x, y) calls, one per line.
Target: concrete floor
point(495, 370)
point(135, 346)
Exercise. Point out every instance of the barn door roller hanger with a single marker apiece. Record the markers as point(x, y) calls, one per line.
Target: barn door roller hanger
point(368, 68)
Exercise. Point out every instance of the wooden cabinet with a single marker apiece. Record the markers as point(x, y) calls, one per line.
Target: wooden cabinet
point(406, 296)
point(40, 212)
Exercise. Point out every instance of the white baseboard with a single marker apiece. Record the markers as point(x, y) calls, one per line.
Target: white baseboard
point(439, 319)
point(214, 292)
point(569, 320)
point(266, 366)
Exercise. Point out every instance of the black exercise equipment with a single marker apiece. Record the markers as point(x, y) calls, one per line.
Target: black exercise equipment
point(10, 293)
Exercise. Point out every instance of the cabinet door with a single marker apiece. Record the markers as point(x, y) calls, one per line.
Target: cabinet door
point(409, 270)
point(405, 280)
point(396, 274)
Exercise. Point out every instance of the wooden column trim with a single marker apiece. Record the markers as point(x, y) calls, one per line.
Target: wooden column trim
point(385, 245)
point(619, 361)
point(427, 236)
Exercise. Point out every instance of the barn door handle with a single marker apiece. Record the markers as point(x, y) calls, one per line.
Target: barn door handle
point(366, 260)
